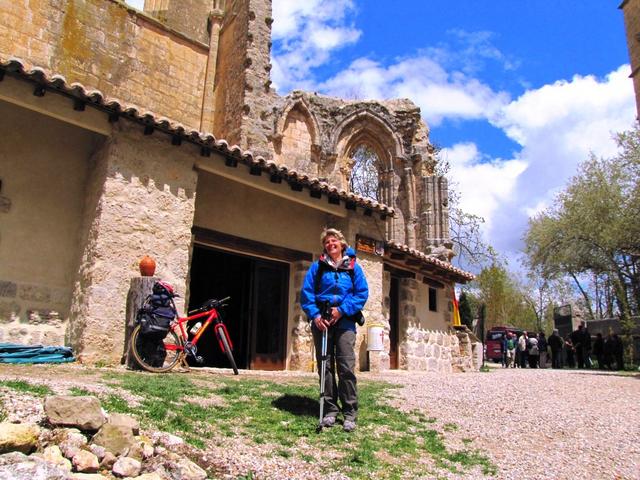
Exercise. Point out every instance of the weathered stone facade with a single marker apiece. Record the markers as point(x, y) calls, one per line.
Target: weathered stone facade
point(631, 10)
point(147, 179)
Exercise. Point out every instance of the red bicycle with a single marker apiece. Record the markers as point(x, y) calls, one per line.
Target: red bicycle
point(176, 346)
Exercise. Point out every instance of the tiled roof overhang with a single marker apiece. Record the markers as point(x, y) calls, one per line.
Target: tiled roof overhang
point(117, 109)
point(420, 262)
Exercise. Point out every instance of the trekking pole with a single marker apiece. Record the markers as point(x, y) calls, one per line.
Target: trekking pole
point(323, 365)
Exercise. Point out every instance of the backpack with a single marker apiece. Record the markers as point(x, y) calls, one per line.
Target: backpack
point(511, 344)
point(157, 313)
point(357, 317)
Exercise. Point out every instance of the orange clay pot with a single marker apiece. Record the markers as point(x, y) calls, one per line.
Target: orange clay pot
point(147, 266)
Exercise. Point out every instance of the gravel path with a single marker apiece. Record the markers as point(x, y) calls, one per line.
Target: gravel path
point(532, 424)
point(552, 424)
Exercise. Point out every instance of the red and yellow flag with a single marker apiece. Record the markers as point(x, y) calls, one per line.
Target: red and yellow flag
point(456, 311)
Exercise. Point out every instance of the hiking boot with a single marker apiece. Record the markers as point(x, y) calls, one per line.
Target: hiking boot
point(349, 426)
point(328, 422)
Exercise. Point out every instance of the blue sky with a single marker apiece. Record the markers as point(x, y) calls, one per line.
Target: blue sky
point(518, 93)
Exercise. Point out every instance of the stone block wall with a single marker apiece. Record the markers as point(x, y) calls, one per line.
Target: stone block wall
point(108, 46)
point(140, 200)
point(631, 10)
point(32, 314)
point(301, 357)
point(243, 94)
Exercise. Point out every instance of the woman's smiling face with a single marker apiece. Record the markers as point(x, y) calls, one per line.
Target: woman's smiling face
point(333, 246)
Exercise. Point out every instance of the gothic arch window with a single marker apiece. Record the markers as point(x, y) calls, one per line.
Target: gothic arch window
point(296, 138)
point(364, 178)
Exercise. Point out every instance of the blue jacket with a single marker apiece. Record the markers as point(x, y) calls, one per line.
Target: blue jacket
point(336, 286)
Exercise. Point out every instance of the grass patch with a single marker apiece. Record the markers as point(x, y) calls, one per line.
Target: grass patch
point(387, 443)
point(26, 387)
point(80, 392)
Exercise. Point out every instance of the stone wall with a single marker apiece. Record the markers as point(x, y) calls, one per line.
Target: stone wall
point(43, 171)
point(243, 94)
point(186, 16)
point(140, 200)
point(108, 46)
point(631, 10)
point(317, 135)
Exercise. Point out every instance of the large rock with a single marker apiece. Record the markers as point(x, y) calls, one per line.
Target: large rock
point(18, 437)
point(187, 470)
point(18, 466)
point(86, 462)
point(127, 467)
point(70, 441)
point(125, 421)
point(115, 438)
point(84, 413)
point(53, 454)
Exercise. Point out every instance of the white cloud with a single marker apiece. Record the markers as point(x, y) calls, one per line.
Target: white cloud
point(472, 174)
point(439, 94)
point(305, 33)
point(558, 126)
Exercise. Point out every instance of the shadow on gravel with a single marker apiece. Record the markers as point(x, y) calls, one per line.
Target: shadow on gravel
point(297, 405)
point(605, 373)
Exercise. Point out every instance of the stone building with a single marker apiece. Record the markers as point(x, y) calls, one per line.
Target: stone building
point(128, 133)
point(631, 11)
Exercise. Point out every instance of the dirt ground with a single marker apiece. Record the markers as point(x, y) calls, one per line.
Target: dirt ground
point(543, 423)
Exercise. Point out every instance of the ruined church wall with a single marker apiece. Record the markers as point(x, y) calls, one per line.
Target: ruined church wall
point(140, 200)
point(44, 170)
point(108, 46)
point(243, 94)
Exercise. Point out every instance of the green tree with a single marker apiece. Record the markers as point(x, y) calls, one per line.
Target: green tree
point(592, 233)
point(466, 316)
point(504, 298)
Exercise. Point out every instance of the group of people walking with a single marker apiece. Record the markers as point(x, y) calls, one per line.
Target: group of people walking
point(576, 349)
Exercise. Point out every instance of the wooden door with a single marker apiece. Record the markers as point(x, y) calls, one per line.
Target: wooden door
point(269, 315)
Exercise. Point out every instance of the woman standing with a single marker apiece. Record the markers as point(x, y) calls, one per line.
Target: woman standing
point(336, 282)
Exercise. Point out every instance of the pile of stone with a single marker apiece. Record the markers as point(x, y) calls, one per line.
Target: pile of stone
point(78, 440)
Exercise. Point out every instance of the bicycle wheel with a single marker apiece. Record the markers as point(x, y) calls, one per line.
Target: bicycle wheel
point(227, 349)
point(156, 355)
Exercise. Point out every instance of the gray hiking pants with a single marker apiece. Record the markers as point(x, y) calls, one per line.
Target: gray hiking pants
point(341, 359)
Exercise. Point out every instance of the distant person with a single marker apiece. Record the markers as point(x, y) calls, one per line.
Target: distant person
point(555, 343)
point(608, 352)
point(618, 350)
point(543, 348)
point(511, 349)
point(570, 351)
point(586, 345)
point(598, 350)
point(534, 352)
point(578, 341)
point(523, 343)
point(503, 350)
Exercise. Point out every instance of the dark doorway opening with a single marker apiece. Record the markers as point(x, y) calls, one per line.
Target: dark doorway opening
point(256, 317)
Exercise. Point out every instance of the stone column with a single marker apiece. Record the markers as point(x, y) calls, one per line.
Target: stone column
point(373, 313)
point(140, 289)
point(407, 323)
point(140, 200)
point(301, 358)
point(208, 100)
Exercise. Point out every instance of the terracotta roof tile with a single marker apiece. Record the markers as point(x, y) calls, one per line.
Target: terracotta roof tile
point(135, 113)
point(463, 275)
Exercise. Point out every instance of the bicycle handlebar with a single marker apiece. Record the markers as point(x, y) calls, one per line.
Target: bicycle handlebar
point(210, 304)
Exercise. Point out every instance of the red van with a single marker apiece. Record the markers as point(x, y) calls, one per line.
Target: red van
point(493, 341)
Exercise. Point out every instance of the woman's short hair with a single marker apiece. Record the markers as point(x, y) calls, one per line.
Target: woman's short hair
point(333, 232)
